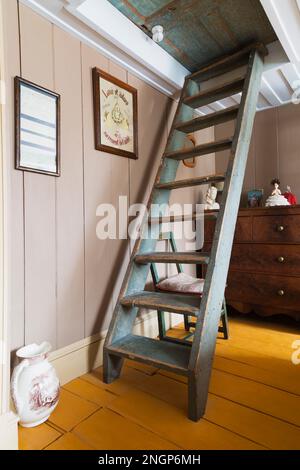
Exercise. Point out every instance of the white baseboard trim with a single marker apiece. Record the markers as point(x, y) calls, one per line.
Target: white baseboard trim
point(9, 431)
point(83, 356)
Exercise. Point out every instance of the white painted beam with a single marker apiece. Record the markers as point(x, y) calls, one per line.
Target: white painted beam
point(269, 93)
point(217, 106)
point(75, 3)
point(291, 74)
point(237, 98)
point(276, 58)
point(111, 24)
point(284, 16)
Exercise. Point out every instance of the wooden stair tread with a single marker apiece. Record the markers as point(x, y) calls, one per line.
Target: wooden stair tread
point(161, 354)
point(203, 122)
point(210, 96)
point(227, 63)
point(191, 182)
point(168, 302)
point(199, 150)
point(172, 257)
point(183, 217)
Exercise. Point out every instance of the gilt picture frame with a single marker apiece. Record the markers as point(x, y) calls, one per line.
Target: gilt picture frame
point(115, 115)
point(37, 128)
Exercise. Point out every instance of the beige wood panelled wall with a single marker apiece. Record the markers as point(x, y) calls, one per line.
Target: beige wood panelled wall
point(64, 280)
point(274, 152)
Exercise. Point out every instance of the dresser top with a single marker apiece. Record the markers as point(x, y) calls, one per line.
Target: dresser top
point(264, 211)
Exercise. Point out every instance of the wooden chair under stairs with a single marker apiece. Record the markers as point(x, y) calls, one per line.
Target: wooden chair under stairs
point(189, 324)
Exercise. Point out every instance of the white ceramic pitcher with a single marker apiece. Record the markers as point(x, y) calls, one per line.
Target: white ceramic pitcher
point(34, 385)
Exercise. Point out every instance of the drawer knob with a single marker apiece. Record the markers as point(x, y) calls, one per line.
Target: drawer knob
point(281, 259)
point(280, 293)
point(280, 228)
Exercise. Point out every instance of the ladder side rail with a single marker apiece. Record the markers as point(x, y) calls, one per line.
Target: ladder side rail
point(202, 353)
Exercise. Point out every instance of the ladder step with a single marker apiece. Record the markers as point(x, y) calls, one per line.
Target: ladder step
point(210, 96)
point(227, 63)
point(175, 303)
point(160, 354)
point(204, 149)
point(191, 182)
point(171, 257)
point(183, 218)
point(186, 342)
point(203, 122)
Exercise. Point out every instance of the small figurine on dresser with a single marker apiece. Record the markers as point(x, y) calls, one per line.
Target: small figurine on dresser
point(290, 196)
point(276, 198)
point(210, 200)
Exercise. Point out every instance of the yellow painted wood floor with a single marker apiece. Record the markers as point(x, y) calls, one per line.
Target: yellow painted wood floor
point(254, 401)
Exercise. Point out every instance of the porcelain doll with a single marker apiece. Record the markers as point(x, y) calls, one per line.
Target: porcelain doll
point(276, 198)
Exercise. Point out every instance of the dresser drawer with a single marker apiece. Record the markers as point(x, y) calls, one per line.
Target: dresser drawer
point(281, 228)
point(275, 259)
point(261, 289)
point(243, 231)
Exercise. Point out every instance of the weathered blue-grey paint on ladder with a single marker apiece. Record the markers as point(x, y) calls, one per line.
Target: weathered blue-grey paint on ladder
point(195, 363)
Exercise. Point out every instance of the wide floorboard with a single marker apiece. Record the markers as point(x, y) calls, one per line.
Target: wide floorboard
point(254, 401)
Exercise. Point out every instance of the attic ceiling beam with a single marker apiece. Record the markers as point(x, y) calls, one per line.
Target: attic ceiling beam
point(217, 106)
point(269, 93)
point(291, 75)
point(276, 58)
point(237, 98)
point(75, 3)
point(285, 19)
point(206, 110)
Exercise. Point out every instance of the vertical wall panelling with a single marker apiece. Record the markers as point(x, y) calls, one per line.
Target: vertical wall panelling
point(153, 133)
point(39, 195)
point(274, 150)
point(97, 189)
point(69, 197)
point(12, 68)
point(67, 287)
point(249, 181)
point(289, 147)
point(152, 106)
point(227, 130)
point(222, 131)
point(205, 165)
point(119, 249)
point(266, 154)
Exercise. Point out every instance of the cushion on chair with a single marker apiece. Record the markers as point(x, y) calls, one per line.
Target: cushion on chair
point(182, 283)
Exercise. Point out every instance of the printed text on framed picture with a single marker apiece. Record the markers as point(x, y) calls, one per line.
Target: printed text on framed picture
point(115, 115)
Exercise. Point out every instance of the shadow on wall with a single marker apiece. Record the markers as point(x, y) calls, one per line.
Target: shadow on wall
point(152, 160)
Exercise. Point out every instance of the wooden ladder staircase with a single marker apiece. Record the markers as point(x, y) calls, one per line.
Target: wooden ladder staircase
point(194, 362)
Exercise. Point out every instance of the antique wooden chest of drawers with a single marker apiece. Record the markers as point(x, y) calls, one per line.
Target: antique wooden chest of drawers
point(264, 273)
